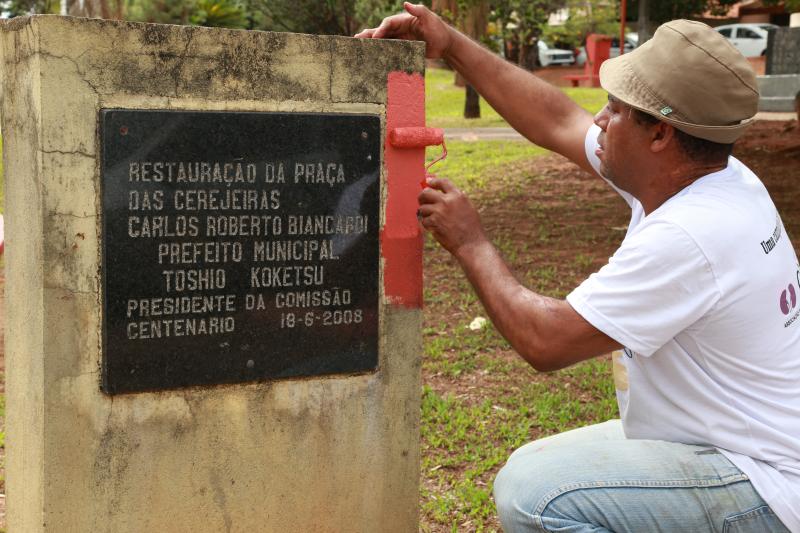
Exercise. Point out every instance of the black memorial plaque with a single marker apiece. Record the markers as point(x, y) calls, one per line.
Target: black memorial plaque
point(238, 247)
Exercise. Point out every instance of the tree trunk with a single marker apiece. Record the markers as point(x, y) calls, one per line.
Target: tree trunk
point(528, 56)
point(644, 23)
point(472, 103)
point(475, 20)
point(106, 9)
point(446, 8)
point(473, 23)
point(512, 50)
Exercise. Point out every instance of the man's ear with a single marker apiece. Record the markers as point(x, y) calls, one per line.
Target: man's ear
point(661, 136)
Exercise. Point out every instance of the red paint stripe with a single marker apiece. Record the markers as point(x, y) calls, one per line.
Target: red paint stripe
point(401, 238)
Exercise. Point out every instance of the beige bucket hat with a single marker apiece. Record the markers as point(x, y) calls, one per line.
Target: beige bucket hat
point(689, 76)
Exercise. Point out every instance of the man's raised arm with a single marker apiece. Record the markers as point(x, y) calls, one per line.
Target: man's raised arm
point(536, 109)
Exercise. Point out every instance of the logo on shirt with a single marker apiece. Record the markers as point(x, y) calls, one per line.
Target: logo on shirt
point(788, 300)
point(769, 244)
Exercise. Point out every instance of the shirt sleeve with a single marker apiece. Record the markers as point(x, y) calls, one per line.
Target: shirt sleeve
point(657, 284)
point(590, 144)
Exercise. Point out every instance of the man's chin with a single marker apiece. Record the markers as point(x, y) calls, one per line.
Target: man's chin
point(611, 176)
point(606, 172)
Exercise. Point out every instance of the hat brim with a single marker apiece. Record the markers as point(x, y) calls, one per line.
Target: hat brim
point(619, 79)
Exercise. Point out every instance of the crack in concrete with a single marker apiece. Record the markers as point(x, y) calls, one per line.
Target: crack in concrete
point(69, 291)
point(68, 152)
point(331, 69)
point(71, 215)
point(77, 66)
point(107, 426)
point(182, 60)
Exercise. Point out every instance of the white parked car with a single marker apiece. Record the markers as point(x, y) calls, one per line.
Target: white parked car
point(554, 56)
point(631, 42)
point(749, 39)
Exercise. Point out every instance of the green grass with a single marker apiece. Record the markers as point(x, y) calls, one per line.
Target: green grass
point(590, 98)
point(480, 401)
point(444, 102)
point(471, 165)
point(463, 444)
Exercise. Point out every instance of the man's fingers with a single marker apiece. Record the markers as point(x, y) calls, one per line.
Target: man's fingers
point(389, 27)
point(426, 210)
point(426, 217)
point(381, 30)
point(392, 26)
point(441, 184)
point(418, 10)
point(429, 196)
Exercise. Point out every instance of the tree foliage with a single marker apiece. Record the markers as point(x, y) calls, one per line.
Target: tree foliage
point(325, 17)
point(517, 21)
point(370, 13)
point(791, 6)
point(660, 12)
point(321, 17)
point(584, 17)
point(160, 11)
point(215, 13)
point(18, 8)
point(218, 13)
point(521, 23)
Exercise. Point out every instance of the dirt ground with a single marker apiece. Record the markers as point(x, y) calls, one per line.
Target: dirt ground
point(771, 149)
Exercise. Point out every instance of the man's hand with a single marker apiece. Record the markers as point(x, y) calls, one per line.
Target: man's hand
point(418, 23)
point(546, 332)
point(447, 213)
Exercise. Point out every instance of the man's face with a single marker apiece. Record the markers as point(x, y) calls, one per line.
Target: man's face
point(624, 144)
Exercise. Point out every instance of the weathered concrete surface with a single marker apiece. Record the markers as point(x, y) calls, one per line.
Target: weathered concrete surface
point(777, 92)
point(337, 454)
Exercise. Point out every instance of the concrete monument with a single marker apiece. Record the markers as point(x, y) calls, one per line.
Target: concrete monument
point(213, 279)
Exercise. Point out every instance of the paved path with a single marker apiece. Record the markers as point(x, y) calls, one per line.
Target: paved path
point(482, 134)
point(508, 134)
point(770, 115)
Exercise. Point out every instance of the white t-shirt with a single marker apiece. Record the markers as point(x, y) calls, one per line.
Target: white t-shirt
point(704, 293)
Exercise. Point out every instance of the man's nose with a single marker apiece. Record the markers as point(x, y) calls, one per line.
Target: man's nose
point(601, 118)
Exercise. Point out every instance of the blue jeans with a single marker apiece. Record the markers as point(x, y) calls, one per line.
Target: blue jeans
point(594, 479)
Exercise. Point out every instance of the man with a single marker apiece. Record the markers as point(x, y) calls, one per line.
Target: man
point(702, 294)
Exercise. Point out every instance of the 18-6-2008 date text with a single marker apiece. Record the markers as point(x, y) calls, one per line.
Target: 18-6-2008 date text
point(309, 319)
